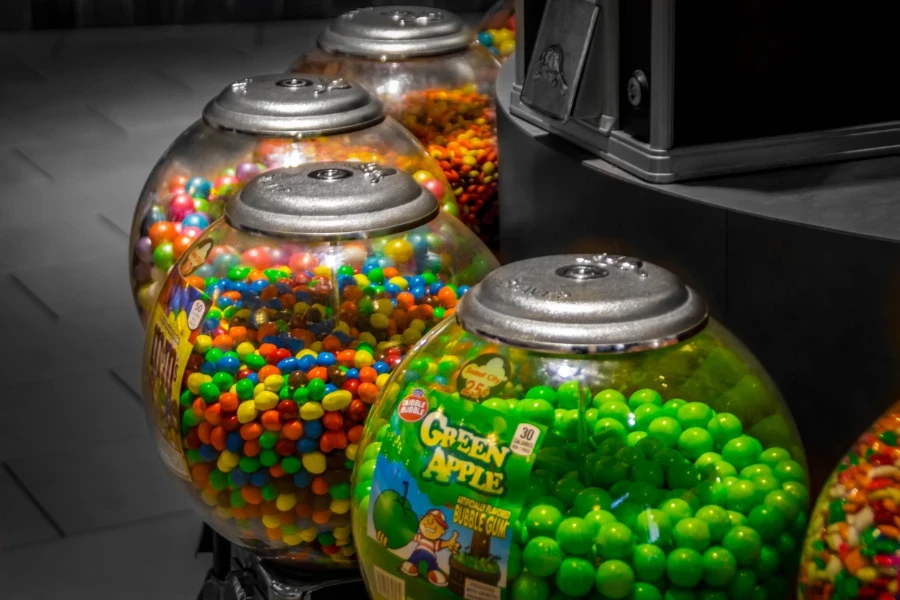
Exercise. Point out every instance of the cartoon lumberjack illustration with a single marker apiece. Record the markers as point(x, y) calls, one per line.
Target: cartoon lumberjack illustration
point(428, 543)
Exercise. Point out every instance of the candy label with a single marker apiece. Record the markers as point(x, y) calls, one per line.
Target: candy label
point(414, 407)
point(196, 258)
point(483, 377)
point(443, 501)
point(198, 311)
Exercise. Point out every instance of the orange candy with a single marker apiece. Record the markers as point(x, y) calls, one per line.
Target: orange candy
point(368, 375)
point(203, 431)
point(447, 297)
point(332, 420)
point(266, 330)
point(252, 494)
point(218, 438)
point(368, 392)
point(162, 231)
point(196, 282)
point(251, 431)
point(331, 440)
point(199, 407)
point(276, 471)
point(251, 448)
point(223, 342)
point(229, 402)
point(354, 434)
point(353, 293)
point(345, 357)
point(181, 244)
point(292, 430)
point(331, 343)
point(213, 414)
point(319, 486)
point(200, 473)
point(266, 349)
point(390, 272)
point(238, 334)
point(271, 420)
point(274, 534)
point(304, 511)
point(318, 373)
point(321, 517)
point(268, 371)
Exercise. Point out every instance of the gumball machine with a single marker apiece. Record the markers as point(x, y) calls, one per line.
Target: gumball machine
point(254, 125)
point(852, 548)
point(272, 338)
point(580, 428)
point(425, 66)
point(497, 30)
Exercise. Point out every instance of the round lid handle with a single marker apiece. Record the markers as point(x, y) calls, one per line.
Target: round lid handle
point(294, 105)
point(583, 304)
point(396, 32)
point(331, 201)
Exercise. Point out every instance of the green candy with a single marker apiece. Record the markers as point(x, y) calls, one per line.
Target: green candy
point(742, 585)
point(209, 391)
point(254, 362)
point(244, 389)
point(223, 381)
point(695, 442)
point(542, 556)
point(269, 492)
point(648, 471)
point(785, 502)
point(643, 397)
point(569, 395)
point(614, 409)
point(789, 470)
point(683, 476)
point(768, 521)
point(665, 429)
point(268, 439)
point(644, 415)
point(692, 533)
point(574, 535)
point(590, 499)
point(724, 427)
point(719, 566)
point(615, 579)
point(575, 577)
point(268, 458)
point(694, 414)
point(541, 392)
point(773, 456)
point(597, 518)
point(566, 490)
point(649, 562)
point(609, 427)
point(630, 456)
point(767, 564)
point(741, 496)
point(653, 526)
point(706, 459)
point(650, 446)
point(799, 491)
point(674, 593)
point(646, 591)
point(607, 396)
point(756, 470)
point(744, 543)
point(643, 494)
point(676, 509)
point(634, 437)
point(614, 540)
point(529, 587)
point(608, 471)
point(218, 480)
point(536, 411)
point(742, 451)
point(542, 520)
point(716, 519)
point(670, 408)
point(684, 567)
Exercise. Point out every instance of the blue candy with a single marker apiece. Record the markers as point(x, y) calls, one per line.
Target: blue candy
point(306, 445)
point(313, 429)
point(233, 442)
point(306, 362)
point(325, 359)
point(229, 364)
point(287, 365)
point(330, 387)
point(381, 367)
point(259, 479)
point(198, 187)
point(239, 477)
point(198, 220)
point(302, 478)
point(208, 453)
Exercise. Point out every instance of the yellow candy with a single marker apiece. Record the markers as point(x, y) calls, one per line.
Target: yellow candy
point(343, 327)
point(400, 282)
point(488, 168)
point(309, 534)
point(308, 412)
point(383, 306)
point(300, 308)
point(379, 321)
point(314, 462)
point(244, 349)
point(340, 507)
point(264, 400)
point(195, 380)
point(350, 451)
point(274, 383)
point(337, 400)
point(316, 347)
point(223, 512)
point(418, 325)
point(382, 379)
point(247, 411)
point(244, 313)
point(292, 540)
point(322, 271)
point(306, 351)
point(259, 388)
point(348, 550)
point(363, 358)
point(361, 280)
point(411, 336)
point(202, 344)
point(285, 502)
point(507, 47)
point(368, 338)
point(271, 521)
point(341, 542)
point(227, 461)
point(341, 532)
point(210, 497)
point(867, 574)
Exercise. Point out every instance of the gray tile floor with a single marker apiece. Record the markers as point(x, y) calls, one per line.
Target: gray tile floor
point(85, 507)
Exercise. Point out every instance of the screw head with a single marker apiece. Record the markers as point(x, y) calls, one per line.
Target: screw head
point(293, 83)
point(330, 174)
point(637, 87)
point(582, 272)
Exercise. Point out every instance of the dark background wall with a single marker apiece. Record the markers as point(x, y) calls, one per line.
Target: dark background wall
point(64, 14)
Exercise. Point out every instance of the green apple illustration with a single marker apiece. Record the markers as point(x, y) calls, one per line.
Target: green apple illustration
point(394, 518)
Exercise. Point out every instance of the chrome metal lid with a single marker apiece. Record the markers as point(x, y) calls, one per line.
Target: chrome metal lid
point(581, 304)
point(396, 32)
point(294, 105)
point(331, 201)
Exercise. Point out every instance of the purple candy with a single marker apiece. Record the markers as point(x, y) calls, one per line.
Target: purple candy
point(142, 272)
point(246, 171)
point(144, 250)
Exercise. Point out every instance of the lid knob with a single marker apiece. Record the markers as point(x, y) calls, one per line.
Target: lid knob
point(396, 32)
point(331, 201)
point(299, 105)
point(583, 304)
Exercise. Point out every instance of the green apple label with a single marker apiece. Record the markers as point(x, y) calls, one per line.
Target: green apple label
point(445, 490)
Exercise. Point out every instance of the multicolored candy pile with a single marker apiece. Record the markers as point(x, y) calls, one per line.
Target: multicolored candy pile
point(187, 203)
point(852, 548)
point(284, 367)
point(497, 31)
point(458, 127)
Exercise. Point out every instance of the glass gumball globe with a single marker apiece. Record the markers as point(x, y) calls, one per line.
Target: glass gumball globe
point(275, 332)
point(852, 547)
point(497, 30)
point(580, 428)
point(425, 66)
point(254, 125)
